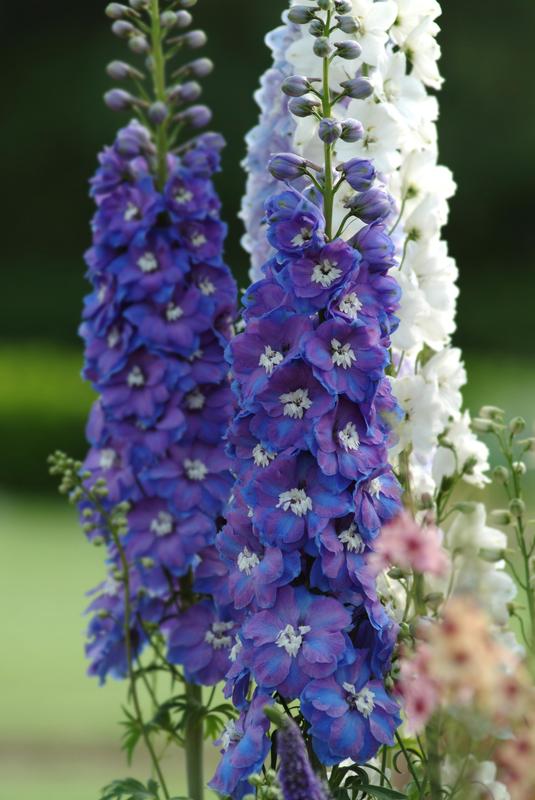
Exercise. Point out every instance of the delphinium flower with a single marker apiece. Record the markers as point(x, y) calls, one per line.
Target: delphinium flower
point(310, 445)
point(155, 328)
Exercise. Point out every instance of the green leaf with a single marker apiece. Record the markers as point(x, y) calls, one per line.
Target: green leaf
point(382, 793)
point(130, 789)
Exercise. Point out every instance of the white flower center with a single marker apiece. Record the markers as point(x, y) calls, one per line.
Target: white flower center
point(217, 637)
point(352, 539)
point(207, 287)
point(363, 701)
point(195, 470)
point(131, 212)
point(162, 524)
point(135, 379)
point(196, 355)
point(101, 294)
point(113, 338)
point(230, 735)
point(195, 400)
point(183, 196)
point(270, 359)
point(173, 313)
point(291, 639)
point(236, 649)
point(350, 305)
point(296, 403)
point(342, 354)
point(349, 438)
point(262, 457)
point(107, 459)
point(297, 501)
point(247, 561)
point(304, 235)
point(148, 262)
point(198, 239)
point(325, 273)
point(374, 487)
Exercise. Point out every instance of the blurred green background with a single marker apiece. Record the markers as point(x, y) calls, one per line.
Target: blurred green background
point(58, 730)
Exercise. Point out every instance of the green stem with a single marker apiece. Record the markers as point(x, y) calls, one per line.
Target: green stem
point(408, 759)
point(328, 194)
point(158, 71)
point(194, 746)
point(433, 771)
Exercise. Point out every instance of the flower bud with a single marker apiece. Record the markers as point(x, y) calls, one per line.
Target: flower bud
point(519, 468)
point(325, 5)
point(119, 71)
point(349, 49)
point(491, 556)
point(466, 507)
point(322, 47)
point(123, 29)
point(183, 19)
point(500, 474)
point(199, 68)
point(116, 11)
point(480, 425)
point(197, 116)
point(139, 5)
point(501, 516)
point(517, 425)
point(396, 573)
point(330, 130)
point(139, 45)
point(343, 6)
point(303, 107)
point(352, 130)
point(357, 88)
point(528, 444)
point(295, 86)
point(300, 15)
point(517, 507)
point(287, 166)
point(119, 100)
point(195, 39)
point(348, 24)
point(168, 19)
point(371, 205)
point(316, 28)
point(158, 113)
point(492, 412)
point(359, 173)
point(187, 92)
point(434, 600)
point(187, 3)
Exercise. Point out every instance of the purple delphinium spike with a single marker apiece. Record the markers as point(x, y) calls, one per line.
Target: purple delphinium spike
point(155, 328)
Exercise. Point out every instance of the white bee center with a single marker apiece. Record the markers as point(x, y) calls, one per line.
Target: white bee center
point(195, 400)
point(297, 501)
point(350, 305)
point(230, 735)
point(296, 403)
point(217, 637)
point(247, 561)
point(107, 459)
point(131, 212)
point(291, 639)
point(374, 487)
point(270, 359)
point(195, 470)
point(148, 262)
point(183, 196)
point(135, 379)
point(349, 438)
point(207, 287)
point(162, 524)
point(173, 313)
point(262, 457)
point(363, 701)
point(325, 273)
point(304, 235)
point(342, 354)
point(352, 539)
point(198, 240)
point(113, 338)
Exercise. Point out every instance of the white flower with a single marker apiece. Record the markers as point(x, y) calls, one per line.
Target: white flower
point(486, 776)
point(446, 371)
point(422, 424)
point(423, 51)
point(470, 532)
point(410, 14)
point(375, 20)
point(406, 95)
point(383, 135)
point(468, 449)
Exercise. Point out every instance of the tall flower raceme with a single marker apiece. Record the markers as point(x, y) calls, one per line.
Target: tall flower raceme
point(156, 479)
point(314, 485)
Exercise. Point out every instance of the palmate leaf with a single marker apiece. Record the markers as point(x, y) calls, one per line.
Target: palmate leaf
point(130, 789)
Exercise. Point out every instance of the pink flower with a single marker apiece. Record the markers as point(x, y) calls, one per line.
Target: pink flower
point(403, 543)
point(419, 691)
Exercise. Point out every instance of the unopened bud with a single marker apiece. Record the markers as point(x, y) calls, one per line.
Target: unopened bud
point(116, 11)
point(300, 15)
point(119, 71)
point(343, 6)
point(287, 166)
point(370, 206)
point(491, 556)
point(123, 29)
point(481, 425)
point(434, 600)
point(139, 45)
point(348, 24)
point(466, 507)
point(500, 474)
point(316, 28)
point(359, 173)
point(357, 88)
point(303, 107)
point(322, 47)
point(185, 93)
point(295, 86)
point(519, 468)
point(158, 113)
point(199, 68)
point(517, 507)
point(197, 116)
point(528, 444)
point(517, 425)
point(139, 5)
point(396, 573)
point(195, 39)
point(352, 130)
point(187, 3)
point(330, 130)
point(183, 19)
point(325, 5)
point(501, 516)
point(168, 19)
point(348, 50)
point(492, 412)
point(119, 100)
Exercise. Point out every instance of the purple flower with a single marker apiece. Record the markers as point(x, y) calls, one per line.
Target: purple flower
point(295, 224)
point(375, 246)
point(370, 298)
point(203, 239)
point(345, 359)
point(377, 500)
point(301, 638)
point(153, 263)
point(201, 639)
point(140, 389)
point(129, 211)
point(350, 714)
point(316, 276)
point(190, 196)
point(297, 778)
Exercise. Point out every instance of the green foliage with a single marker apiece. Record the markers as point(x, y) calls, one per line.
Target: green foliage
point(131, 789)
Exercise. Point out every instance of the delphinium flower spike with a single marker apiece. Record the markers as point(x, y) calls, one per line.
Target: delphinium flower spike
point(155, 328)
point(311, 439)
